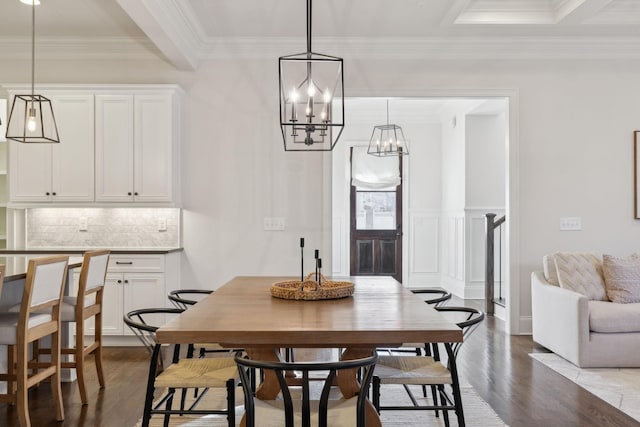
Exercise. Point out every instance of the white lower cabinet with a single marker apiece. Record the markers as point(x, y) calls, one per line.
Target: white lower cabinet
point(133, 282)
point(129, 291)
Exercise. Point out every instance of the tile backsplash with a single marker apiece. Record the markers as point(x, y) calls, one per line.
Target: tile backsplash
point(102, 227)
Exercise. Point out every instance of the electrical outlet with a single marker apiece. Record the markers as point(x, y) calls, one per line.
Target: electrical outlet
point(83, 224)
point(571, 223)
point(162, 223)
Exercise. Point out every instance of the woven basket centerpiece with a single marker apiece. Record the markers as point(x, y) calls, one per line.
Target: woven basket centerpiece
point(309, 289)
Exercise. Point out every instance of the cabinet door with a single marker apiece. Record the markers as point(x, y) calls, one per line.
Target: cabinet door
point(112, 306)
point(72, 159)
point(29, 172)
point(114, 148)
point(144, 290)
point(153, 143)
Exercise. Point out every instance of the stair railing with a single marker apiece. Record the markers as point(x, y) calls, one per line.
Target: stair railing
point(491, 224)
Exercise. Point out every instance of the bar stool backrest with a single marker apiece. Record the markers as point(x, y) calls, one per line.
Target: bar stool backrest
point(95, 272)
point(45, 283)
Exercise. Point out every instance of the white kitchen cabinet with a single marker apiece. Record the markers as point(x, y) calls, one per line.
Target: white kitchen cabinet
point(133, 281)
point(130, 291)
point(57, 172)
point(135, 147)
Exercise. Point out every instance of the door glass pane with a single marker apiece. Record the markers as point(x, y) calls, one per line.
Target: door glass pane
point(376, 210)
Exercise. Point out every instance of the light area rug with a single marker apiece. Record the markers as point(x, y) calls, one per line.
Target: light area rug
point(619, 387)
point(477, 412)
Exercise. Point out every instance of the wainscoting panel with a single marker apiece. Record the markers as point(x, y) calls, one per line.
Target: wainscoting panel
point(338, 243)
point(424, 243)
point(424, 249)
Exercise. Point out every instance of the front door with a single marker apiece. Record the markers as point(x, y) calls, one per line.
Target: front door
point(376, 230)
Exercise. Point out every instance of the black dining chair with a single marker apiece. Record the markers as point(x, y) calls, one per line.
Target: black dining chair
point(182, 374)
point(297, 404)
point(185, 298)
point(437, 298)
point(429, 370)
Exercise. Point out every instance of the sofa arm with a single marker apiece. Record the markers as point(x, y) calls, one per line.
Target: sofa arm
point(560, 318)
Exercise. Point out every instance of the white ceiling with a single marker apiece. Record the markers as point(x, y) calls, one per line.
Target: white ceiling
point(189, 31)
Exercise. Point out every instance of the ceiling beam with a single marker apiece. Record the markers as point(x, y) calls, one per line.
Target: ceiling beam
point(578, 11)
point(163, 21)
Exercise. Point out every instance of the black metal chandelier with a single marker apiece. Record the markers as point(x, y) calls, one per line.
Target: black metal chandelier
point(311, 84)
point(31, 119)
point(388, 140)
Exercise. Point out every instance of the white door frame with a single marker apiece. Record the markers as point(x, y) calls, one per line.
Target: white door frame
point(514, 323)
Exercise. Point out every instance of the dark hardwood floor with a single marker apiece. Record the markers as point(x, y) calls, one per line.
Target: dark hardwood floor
point(521, 390)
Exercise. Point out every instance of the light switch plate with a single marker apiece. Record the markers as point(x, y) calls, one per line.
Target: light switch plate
point(274, 223)
point(571, 223)
point(162, 223)
point(83, 224)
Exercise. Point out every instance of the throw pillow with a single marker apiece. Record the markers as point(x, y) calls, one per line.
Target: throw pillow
point(622, 278)
point(582, 273)
point(550, 271)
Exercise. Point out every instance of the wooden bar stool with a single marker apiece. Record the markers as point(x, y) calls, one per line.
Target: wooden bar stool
point(80, 308)
point(43, 290)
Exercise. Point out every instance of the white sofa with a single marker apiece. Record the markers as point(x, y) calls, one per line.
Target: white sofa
point(587, 333)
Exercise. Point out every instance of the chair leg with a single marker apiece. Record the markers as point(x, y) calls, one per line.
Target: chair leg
point(457, 398)
point(35, 356)
point(148, 401)
point(56, 380)
point(231, 402)
point(97, 353)
point(445, 413)
point(79, 362)
point(434, 392)
point(22, 401)
point(376, 393)
point(169, 404)
point(11, 370)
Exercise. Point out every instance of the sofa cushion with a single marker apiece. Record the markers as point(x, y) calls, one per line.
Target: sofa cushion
point(609, 317)
point(549, 268)
point(622, 278)
point(582, 273)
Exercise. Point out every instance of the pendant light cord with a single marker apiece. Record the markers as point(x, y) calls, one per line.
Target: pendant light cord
point(387, 112)
point(33, 46)
point(309, 26)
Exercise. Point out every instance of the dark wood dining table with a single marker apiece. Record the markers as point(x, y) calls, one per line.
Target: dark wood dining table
point(243, 314)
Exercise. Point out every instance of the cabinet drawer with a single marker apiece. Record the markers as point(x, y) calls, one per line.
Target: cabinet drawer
point(136, 263)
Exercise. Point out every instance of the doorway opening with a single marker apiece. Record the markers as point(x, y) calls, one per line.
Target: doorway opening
point(375, 219)
point(456, 173)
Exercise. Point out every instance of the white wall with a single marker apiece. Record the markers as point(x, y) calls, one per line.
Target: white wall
point(485, 149)
point(574, 153)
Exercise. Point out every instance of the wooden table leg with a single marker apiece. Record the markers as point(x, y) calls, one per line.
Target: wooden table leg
point(269, 388)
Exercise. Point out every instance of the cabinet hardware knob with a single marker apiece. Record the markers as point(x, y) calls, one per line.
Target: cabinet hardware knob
point(47, 193)
point(53, 193)
point(124, 262)
point(129, 193)
point(119, 281)
point(135, 194)
point(126, 281)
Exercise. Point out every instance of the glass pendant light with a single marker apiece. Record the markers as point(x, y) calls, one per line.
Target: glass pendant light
point(388, 140)
point(31, 119)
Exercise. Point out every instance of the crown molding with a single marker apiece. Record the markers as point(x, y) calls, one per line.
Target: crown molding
point(453, 47)
point(441, 48)
point(78, 49)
